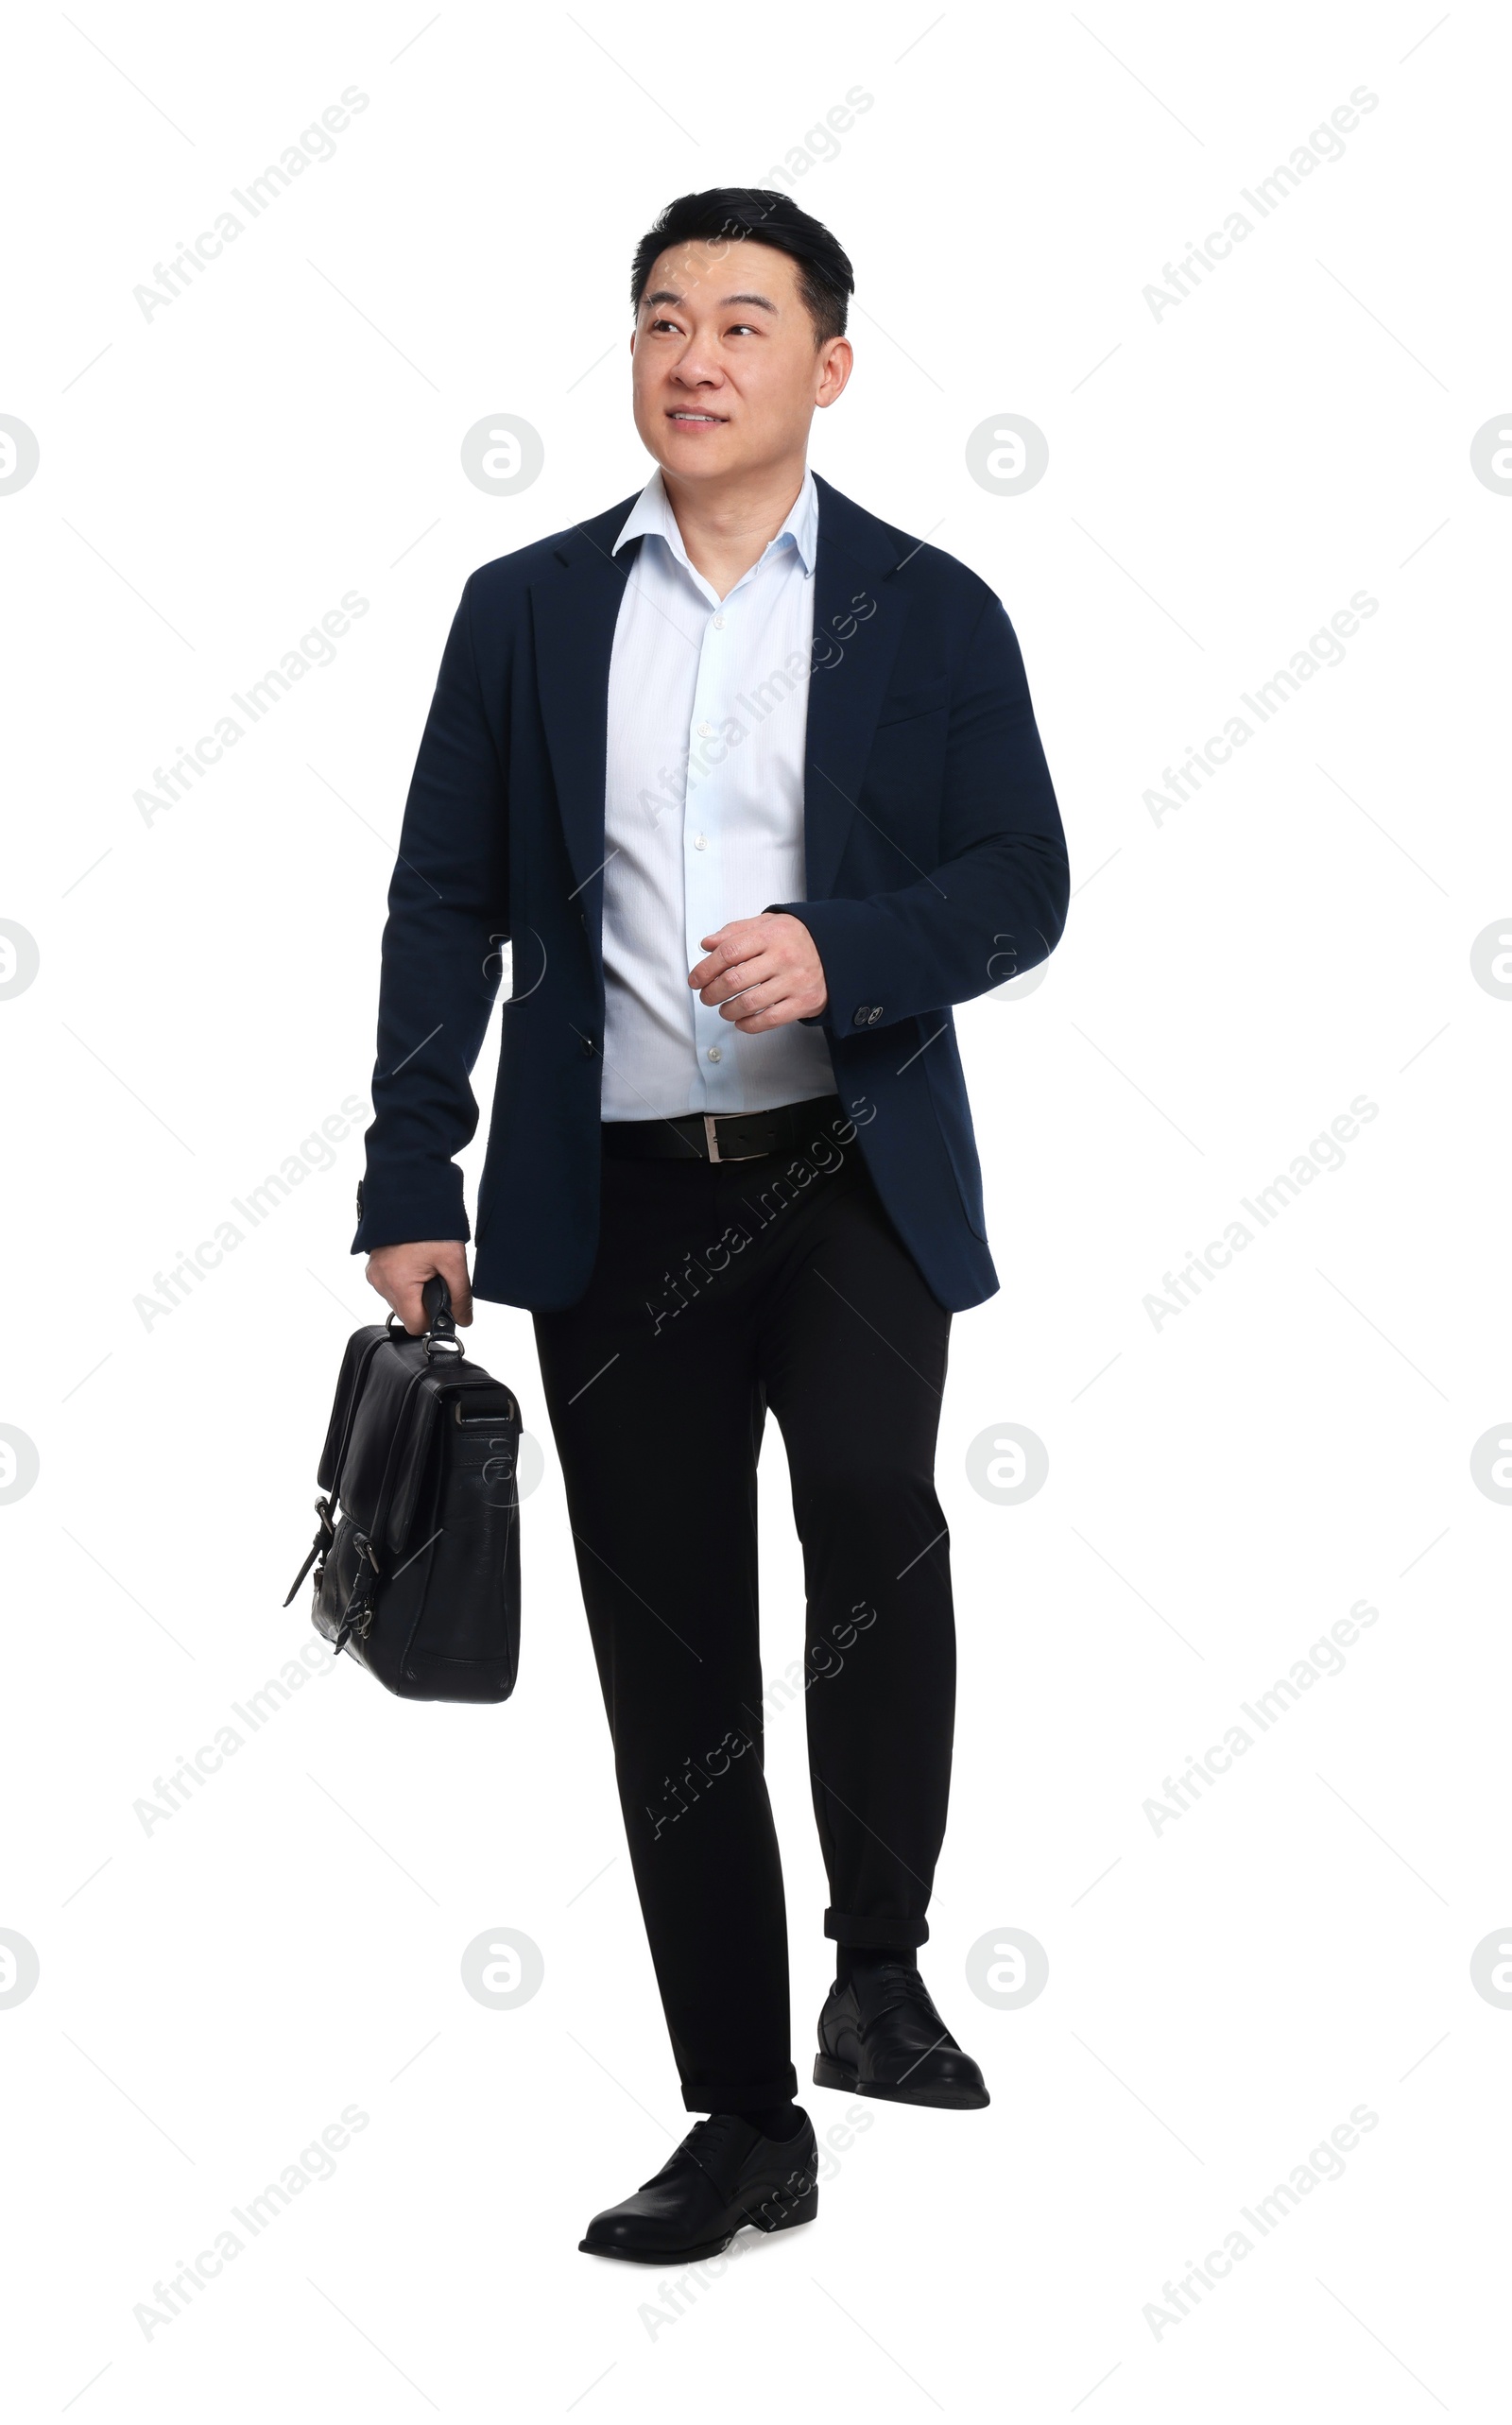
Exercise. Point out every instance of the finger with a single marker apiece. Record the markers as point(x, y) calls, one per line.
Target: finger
point(761, 994)
point(780, 1015)
point(724, 991)
point(706, 970)
point(731, 943)
point(739, 978)
point(772, 1006)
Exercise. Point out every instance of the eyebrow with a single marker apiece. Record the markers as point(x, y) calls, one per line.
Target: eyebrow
point(667, 295)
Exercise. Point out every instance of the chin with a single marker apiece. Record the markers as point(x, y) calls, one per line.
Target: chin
point(691, 456)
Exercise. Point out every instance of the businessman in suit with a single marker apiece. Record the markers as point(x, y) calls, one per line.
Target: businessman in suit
point(750, 784)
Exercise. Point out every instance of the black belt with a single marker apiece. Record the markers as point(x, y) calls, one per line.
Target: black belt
point(724, 1136)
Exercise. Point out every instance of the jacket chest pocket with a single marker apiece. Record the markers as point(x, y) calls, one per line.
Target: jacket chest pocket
point(923, 700)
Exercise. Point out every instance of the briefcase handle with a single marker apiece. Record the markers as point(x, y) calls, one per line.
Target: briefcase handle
point(440, 1330)
point(436, 1299)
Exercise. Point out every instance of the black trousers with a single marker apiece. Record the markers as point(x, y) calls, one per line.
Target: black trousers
point(719, 1290)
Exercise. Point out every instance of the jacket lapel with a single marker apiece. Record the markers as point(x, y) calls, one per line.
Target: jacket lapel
point(858, 620)
point(574, 608)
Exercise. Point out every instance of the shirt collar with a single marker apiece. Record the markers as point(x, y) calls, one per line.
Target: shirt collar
point(652, 512)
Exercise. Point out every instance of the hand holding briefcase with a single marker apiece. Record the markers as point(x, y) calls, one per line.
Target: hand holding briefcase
point(417, 1561)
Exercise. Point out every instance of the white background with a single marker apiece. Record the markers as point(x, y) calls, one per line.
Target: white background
point(1221, 1489)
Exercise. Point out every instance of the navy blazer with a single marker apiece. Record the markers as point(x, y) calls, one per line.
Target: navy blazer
point(934, 868)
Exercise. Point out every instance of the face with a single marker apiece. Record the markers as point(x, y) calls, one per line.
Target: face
point(725, 372)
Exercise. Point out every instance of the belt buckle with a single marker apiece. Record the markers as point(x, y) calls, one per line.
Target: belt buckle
point(712, 1143)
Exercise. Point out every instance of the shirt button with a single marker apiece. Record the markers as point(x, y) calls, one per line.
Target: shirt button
point(714, 1054)
point(719, 622)
point(700, 841)
point(706, 731)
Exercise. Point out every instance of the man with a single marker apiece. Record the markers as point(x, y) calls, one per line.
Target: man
point(750, 784)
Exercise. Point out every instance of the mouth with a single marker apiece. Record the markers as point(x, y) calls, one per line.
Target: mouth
point(688, 419)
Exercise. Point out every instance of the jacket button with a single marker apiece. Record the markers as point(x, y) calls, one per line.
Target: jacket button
point(588, 1048)
point(874, 1015)
point(861, 1017)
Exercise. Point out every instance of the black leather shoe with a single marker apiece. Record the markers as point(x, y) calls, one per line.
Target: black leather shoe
point(883, 2039)
point(724, 2176)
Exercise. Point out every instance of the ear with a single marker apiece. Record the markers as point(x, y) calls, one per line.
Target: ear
point(834, 372)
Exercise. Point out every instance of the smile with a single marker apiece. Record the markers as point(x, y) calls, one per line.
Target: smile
point(700, 420)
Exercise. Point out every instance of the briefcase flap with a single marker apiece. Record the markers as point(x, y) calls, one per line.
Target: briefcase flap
point(389, 1446)
point(360, 1350)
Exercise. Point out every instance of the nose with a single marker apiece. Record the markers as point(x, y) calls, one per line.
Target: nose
point(694, 371)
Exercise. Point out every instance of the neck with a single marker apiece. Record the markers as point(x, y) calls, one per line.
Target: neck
point(726, 527)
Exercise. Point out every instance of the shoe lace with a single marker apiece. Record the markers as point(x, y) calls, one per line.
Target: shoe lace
point(702, 2147)
point(898, 1974)
point(901, 1982)
point(709, 2138)
point(707, 2144)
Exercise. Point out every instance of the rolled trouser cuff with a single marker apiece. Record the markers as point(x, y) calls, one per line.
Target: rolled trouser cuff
point(740, 2097)
point(857, 1928)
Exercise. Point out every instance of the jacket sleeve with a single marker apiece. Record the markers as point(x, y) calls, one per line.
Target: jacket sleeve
point(996, 903)
point(448, 921)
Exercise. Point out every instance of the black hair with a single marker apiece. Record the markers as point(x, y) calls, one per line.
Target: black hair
point(825, 277)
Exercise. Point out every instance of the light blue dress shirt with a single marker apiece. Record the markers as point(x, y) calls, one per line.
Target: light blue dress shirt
point(703, 813)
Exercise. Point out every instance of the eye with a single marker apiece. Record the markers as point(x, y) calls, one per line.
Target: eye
point(660, 324)
point(743, 328)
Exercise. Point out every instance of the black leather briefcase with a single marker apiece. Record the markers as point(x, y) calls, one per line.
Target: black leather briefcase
point(417, 1561)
